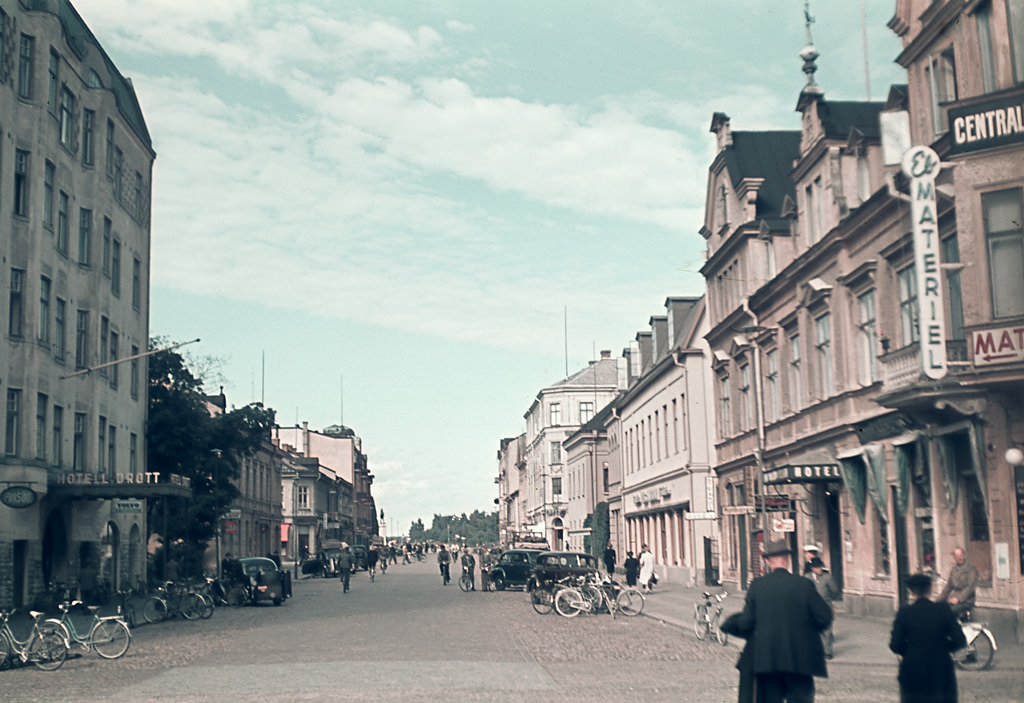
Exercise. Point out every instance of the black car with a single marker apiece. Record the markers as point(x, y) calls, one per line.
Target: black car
point(513, 568)
point(266, 580)
point(359, 552)
point(552, 566)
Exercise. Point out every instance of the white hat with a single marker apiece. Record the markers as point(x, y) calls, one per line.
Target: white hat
point(812, 547)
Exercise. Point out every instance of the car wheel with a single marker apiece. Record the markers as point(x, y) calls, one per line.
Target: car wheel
point(498, 581)
point(277, 601)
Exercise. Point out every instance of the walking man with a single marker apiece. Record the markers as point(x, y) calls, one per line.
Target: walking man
point(785, 614)
point(827, 589)
point(344, 566)
point(609, 559)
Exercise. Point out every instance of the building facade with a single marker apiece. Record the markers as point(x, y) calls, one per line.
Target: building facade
point(511, 512)
point(76, 175)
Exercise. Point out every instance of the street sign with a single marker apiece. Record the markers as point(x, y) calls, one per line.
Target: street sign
point(230, 527)
point(774, 504)
point(700, 516)
point(783, 524)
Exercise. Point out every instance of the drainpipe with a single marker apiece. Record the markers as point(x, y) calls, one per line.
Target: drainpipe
point(759, 409)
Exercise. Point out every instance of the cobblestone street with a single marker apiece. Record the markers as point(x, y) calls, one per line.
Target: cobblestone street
point(407, 638)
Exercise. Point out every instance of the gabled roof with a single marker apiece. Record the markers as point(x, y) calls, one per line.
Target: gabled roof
point(604, 372)
point(840, 116)
point(767, 155)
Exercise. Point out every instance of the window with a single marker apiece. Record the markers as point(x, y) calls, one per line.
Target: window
point(112, 450)
point(771, 385)
point(110, 148)
point(745, 400)
point(115, 269)
point(863, 175)
point(907, 279)
point(12, 427)
point(1015, 12)
point(941, 74)
point(113, 357)
point(16, 313)
point(41, 402)
point(133, 453)
point(78, 457)
point(133, 382)
point(823, 330)
point(883, 563)
point(82, 339)
point(26, 50)
point(118, 171)
point(44, 310)
point(52, 80)
point(586, 411)
point(815, 212)
point(107, 226)
point(556, 414)
point(556, 452)
point(724, 418)
point(49, 174)
point(556, 486)
point(88, 137)
point(1001, 213)
point(58, 435)
point(67, 118)
point(867, 339)
point(59, 334)
point(136, 283)
point(62, 223)
point(796, 373)
point(84, 236)
point(137, 201)
point(101, 448)
point(302, 497)
point(955, 297)
point(21, 158)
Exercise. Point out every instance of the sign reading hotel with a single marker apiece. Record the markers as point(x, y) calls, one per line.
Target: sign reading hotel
point(802, 473)
point(921, 164)
point(998, 345)
point(985, 125)
point(148, 478)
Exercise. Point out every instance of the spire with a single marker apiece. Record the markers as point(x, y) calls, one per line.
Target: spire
point(811, 91)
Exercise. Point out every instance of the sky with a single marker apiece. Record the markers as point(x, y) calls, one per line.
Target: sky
point(409, 217)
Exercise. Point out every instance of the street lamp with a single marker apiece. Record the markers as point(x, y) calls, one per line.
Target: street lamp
point(752, 332)
point(216, 483)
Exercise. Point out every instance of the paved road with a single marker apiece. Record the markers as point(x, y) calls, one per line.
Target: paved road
point(407, 638)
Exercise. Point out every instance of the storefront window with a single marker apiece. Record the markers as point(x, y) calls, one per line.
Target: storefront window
point(883, 562)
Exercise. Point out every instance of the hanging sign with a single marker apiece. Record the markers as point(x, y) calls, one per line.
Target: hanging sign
point(921, 165)
point(18, 496)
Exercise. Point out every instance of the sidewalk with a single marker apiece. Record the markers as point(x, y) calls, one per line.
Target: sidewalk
point(860, 641)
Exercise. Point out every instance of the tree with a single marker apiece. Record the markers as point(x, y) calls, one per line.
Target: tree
point(184, 438)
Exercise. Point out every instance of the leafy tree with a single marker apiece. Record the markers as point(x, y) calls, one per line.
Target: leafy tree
point(184, 438)
point(476, 528)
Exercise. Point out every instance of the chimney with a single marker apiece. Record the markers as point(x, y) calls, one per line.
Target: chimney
point(606, 353)
point(722, 131)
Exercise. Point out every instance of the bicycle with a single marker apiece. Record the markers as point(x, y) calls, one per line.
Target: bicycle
point(981, 645)
point(172, 599)
point(592, 596)
point(707, 617)
point(542, 594)
point(43, 647)
point(446, 574)
point(107, 635)
point(466, 581)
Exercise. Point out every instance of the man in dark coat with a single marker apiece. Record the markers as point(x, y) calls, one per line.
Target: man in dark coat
point(344, 566)
point(632, 568)
point(924, 634)
point(609, 559)
point(786, 616)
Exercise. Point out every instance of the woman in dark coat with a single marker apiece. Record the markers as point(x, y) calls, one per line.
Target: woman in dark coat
point(632, 567)
point(924, 634)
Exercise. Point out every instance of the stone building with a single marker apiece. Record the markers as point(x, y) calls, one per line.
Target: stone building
point(76, 174)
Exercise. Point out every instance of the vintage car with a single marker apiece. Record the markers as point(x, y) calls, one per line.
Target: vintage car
point(266, 580)
point(359, 552)
point(553, 566)
point(513, 568)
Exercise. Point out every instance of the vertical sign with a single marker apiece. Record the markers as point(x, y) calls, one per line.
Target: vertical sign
point(709, 493)
point(1018, 479)
point(921, 164)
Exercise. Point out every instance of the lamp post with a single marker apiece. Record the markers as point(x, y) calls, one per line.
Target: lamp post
point(216, 484)
point(761, 514)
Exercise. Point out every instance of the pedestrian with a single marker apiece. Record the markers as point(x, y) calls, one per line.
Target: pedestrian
point(785, 614)
point(444, 561)
point(963, 579)
point(609, 559)
point(632, 568)
point(811, 551)
point(344, 566)
point(646, 568)
point(924, 634)
point(469, 567)
point(828, 590)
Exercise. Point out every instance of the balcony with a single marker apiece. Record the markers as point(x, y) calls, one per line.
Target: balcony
point(901, 369)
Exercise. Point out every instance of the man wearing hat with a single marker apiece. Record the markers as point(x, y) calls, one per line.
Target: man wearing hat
point(786, 615)
point(827, 589)
point(811, 550)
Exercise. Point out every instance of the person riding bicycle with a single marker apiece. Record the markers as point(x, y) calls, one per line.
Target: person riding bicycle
point(468, 567)
point(444, 560)
point(372, 557)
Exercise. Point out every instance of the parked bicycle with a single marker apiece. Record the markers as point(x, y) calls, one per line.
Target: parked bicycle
point(981, 645)
point(170, 600)
point(40, 644)
point(590, 595)
point(81, 625)
point(707, 617)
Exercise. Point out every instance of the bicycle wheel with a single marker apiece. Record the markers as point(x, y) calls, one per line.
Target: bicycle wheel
point(207, 606)
point(977, 655)
point(154, 610)
point(6, 652)
point(190, 606)
point(700, 622)
point(236, 596)
point(465, 583)
point(630, 601)
point(569, 602)
point(110, 638)
point(540, 599)
point(593, 598)
point(47, 650)
point(716, 627)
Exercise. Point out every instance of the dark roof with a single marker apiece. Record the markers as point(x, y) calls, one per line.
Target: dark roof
point(767, 155)
point(839, 117)
point(604, 372)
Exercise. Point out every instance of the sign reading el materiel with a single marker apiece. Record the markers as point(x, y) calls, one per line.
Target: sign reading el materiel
point(998, 345)
point(987, 124)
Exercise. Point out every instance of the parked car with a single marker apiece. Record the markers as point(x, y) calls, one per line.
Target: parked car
point(267, 581)
point(552, 566)
point(513, 568)
point(359, 552)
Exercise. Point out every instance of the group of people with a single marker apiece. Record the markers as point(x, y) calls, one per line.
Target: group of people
point(638, 571)
point(787, 623)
